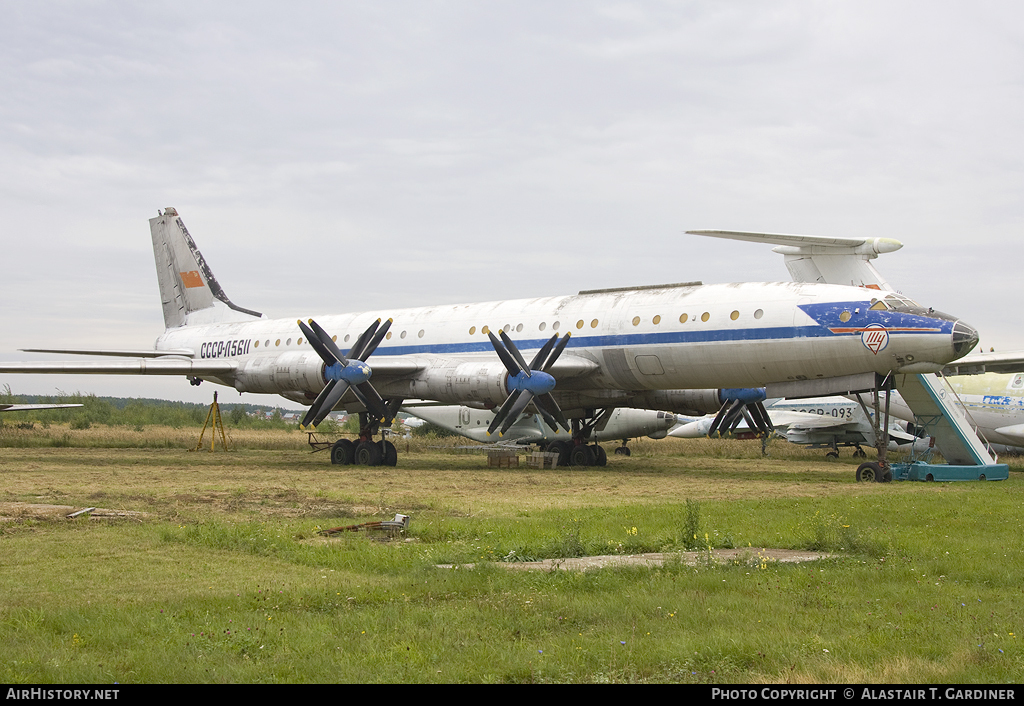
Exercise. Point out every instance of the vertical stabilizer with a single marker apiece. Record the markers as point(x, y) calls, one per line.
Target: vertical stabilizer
point(189, 292)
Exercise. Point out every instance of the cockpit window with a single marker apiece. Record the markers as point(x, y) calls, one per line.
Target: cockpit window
point(898, 302)
point(878, 305)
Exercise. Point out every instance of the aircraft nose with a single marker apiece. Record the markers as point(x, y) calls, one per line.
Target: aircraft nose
point(965, 338)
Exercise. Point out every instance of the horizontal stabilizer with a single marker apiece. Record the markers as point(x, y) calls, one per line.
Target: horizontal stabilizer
point(815, 258)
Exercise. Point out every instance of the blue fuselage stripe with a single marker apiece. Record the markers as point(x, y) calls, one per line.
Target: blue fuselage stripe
point(640, 339)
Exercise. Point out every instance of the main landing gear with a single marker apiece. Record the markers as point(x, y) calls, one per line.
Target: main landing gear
point(364, 451)
point(578, 452)
point(571, 453)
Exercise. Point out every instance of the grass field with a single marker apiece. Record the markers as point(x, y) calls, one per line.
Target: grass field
point(215, 571)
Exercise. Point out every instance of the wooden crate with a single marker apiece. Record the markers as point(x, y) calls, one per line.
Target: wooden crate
point(502, 459)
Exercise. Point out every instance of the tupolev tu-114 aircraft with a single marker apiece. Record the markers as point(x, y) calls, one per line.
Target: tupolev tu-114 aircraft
point(686, 348)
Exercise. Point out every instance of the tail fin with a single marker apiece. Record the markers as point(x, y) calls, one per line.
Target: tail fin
point(189, 292)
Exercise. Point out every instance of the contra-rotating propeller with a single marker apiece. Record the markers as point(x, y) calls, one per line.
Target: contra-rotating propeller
point(739, 404)
point(344, 373)
point(528, 383)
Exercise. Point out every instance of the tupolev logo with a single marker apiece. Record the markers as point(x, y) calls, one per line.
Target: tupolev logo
point(874, 337)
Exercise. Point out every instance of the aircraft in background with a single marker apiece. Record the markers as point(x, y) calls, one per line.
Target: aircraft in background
point(617, 424)
point(993, 403)
point(817, 423)
point(664, 347)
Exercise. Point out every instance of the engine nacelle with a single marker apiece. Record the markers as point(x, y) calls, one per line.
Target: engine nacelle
point(285, 372)
point(689, 402)
point(463, 383)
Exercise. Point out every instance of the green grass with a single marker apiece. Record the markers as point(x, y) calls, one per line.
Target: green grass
point(224, 579)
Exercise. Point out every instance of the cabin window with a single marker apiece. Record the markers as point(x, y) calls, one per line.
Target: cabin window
point(554, 326)
point(579, 324)
point(734, 315)
point(388, 336)
point(542, 326)
point(683, 318)
point(472, 330)
point(256, 344)
point(705, 316)
point(299, 342)
point(636, 320)
point(656, 320)
point(402, 335)
point(593, 324)
point(485, 330)
point(845, 316)
point(519, 328)
point(277, 342)
point(758, 314)
point(420, 334)
point(288, 342)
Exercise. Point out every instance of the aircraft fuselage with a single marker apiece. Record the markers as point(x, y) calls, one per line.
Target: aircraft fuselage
point(664, 338)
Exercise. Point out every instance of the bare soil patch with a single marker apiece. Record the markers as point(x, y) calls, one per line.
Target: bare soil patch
point(748, 555)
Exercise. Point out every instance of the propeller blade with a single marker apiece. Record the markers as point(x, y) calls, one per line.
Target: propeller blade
point(720, 418)
point(314, 340)
point(325, 340)
point(369, 398)
point(542, 354)
point(766, 418)
point(365, 336)
point(506, 357)
point(499, 416)
point(315, 407)
point(555, 353)
point(547, 406)
point(744, 416)
point(332, 398)
point(511, 347)
point(391, 409)
point(517, 409)
point(375, 341)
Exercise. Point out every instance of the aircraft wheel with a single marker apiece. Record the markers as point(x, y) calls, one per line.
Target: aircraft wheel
point(367, 454)
point(389, 454)
point(832, 455)
point(342, 452)
point(869, 472)
point(860, 453)
point(600, 456)
point(622, 451)
point(562, 449)
point(582, 456)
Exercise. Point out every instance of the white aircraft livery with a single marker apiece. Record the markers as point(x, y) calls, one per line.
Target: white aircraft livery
point(680, 348)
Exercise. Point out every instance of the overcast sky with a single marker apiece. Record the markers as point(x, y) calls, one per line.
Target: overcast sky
point(346, 156)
